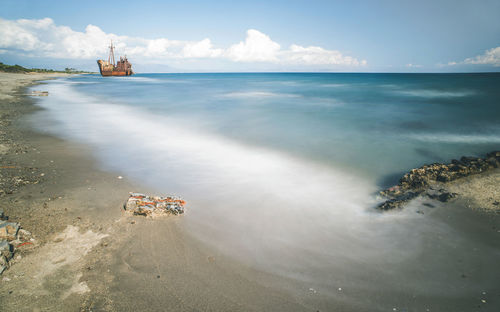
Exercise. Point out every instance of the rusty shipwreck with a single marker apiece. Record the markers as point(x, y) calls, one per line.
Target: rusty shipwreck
point(109, 68)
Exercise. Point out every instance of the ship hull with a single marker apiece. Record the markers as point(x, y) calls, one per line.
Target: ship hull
point(106, 72)
point(114, 73)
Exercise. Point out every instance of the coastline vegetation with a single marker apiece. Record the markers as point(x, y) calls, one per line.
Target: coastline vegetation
point(20, 69)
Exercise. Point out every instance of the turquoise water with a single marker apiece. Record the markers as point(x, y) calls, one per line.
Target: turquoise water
point(376, 124)
point(281, 170)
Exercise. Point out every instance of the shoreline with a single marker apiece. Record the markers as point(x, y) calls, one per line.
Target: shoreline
point(90, 256)
point(55, 191)
point(86, 249)
point(35, 190)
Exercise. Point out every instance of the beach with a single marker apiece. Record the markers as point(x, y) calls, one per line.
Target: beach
point(88, 255)
point(46, 186)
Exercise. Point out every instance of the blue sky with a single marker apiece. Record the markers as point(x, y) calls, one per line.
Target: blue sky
point(358, 36)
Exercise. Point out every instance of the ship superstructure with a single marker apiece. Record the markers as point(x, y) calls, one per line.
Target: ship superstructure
point(109, 68)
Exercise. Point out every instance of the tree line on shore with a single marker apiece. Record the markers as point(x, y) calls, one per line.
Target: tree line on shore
point(20, 69)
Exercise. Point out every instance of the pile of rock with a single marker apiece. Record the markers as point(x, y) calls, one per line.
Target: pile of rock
point(422, 180)
point(144, 205)
point(39, 93)
point(11, 236)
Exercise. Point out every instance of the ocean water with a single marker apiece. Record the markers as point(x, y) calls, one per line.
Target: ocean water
point(281, 171)
point(373, 124)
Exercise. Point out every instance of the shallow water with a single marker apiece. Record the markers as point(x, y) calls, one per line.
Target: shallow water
point(280, 170)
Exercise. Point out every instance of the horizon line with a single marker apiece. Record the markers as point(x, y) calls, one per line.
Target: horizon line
point(311, 72)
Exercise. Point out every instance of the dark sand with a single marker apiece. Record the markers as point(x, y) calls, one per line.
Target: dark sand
point(88, 255)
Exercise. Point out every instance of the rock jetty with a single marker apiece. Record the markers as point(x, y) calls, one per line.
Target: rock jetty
point(426, 180)
point(143, 205)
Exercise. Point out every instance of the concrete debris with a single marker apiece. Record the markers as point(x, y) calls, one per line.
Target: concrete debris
point(6, 253)
point(23, 235)
point(5, 248)
point(11, 238)
point(39, 93)
point(3, 260)
point(144, 205)
point(8, 230)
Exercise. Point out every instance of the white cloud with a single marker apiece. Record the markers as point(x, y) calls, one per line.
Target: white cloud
point(410, 65)
point(318, 56)
point(43, 38)
point(20, 34)
point(157, 46)
point(490, 57)
point(200, 49)
point(257, 47)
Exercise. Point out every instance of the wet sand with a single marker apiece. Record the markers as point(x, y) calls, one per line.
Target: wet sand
point(88, 255)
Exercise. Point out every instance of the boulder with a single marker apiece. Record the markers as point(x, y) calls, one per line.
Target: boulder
point(5, 246)
point(8, 230)
point(6, 250)
point(398, 201)
point(442, 195)
point(3, 261)
point(418, 180)
point(446, 196)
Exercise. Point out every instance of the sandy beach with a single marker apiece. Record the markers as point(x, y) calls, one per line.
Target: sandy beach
point(47, 187)
point(88, 255)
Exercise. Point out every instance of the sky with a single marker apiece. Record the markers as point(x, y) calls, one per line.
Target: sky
point(249, 36)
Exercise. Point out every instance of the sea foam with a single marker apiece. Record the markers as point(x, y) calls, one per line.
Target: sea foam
point(274, 198)
point(269, 208)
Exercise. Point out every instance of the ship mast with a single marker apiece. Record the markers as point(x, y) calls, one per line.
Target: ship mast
point(111, 56)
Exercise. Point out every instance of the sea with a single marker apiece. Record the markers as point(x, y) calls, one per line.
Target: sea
point(281, 171)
